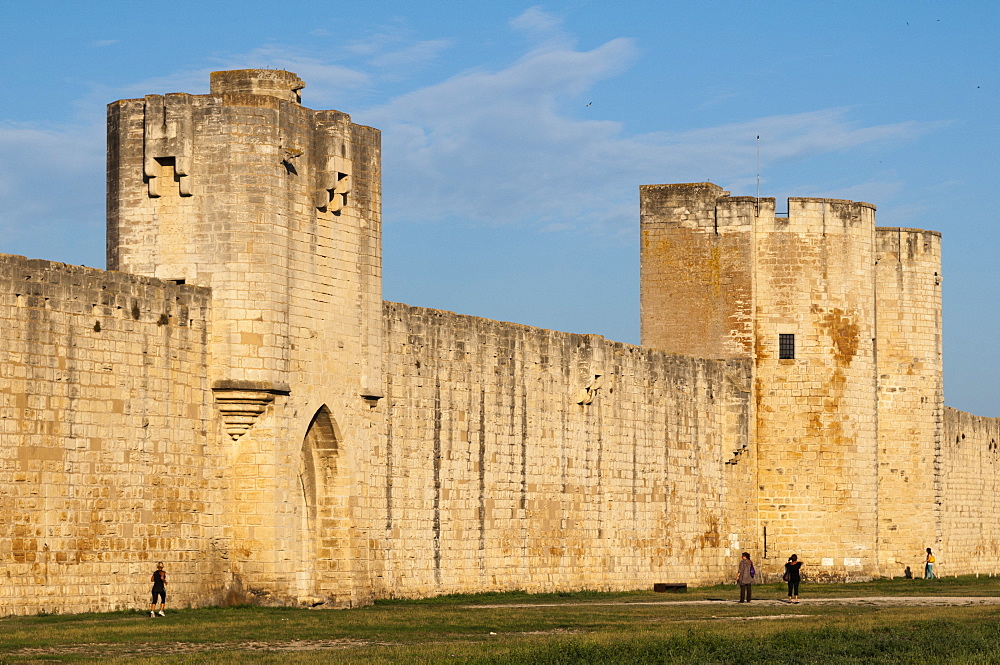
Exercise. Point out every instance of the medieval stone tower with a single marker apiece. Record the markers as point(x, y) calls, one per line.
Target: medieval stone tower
point(233, 397)
point(276, 207)
point(842, 320)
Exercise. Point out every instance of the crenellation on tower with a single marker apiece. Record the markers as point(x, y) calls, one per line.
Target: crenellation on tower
point(735, 213)
point(813, 215)
point(689, 205)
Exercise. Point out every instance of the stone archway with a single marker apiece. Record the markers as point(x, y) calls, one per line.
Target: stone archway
point(324, 525)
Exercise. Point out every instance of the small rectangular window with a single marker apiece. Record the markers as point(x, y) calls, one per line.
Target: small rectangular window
point(786, 347)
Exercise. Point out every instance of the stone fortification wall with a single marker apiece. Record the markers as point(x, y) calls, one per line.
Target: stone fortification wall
point(910, 393)
point(244, 406)
point(520, 458)
point(105, 462)
point(969, 497)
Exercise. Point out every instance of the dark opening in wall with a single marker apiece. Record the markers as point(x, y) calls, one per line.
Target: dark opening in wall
point(786, 346)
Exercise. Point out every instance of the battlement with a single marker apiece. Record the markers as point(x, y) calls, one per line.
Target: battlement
point(908, 245)
point(811, 215)
point(689, 190)
point(704, 205)
point(684, 205)
point(903, 230)
point(808, 202)
point(266, 82)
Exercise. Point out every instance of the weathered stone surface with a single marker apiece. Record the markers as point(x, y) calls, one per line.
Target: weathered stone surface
point(234, 398)
point(497, 477)
point(105, 466)
point(910, 397)
point(967, 495)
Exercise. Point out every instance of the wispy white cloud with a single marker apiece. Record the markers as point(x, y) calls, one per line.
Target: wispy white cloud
point(727, 152)
point(326, 84)
point(793, 136)
point(100, 43)
point(483, 144)
point(385, 38)
point(501, 146)
point(490, 147)
point(393, 51)
point(412, 55)
point(539, 23)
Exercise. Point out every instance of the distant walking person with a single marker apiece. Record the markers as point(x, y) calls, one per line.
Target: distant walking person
point(929, 565)
point(793, 576)
point(159, 580)
point(744, 577)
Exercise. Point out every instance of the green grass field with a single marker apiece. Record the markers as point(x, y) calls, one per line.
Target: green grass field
point(636, 627)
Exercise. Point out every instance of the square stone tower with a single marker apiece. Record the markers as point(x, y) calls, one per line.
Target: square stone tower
point(277, 208)
point(800, 294)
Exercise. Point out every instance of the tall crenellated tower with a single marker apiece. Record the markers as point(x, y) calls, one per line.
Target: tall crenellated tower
point(847, 393)
point(815, 384)
point(277, 208)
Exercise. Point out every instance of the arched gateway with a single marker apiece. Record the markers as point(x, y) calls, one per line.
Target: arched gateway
point(323, 567)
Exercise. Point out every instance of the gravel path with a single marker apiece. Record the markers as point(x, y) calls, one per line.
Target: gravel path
point(904, 601)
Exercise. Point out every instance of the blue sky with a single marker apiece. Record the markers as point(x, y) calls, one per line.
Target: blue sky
point(516, 135)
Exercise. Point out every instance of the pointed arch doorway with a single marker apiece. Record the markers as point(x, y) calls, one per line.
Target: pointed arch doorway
point(323, 564)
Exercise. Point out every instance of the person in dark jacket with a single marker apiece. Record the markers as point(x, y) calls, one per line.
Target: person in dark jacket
point(159, 580)
point(793, 576)
point(744, 577)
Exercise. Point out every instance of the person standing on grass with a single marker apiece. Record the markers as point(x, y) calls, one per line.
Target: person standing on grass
point(793, 576)
point(159, 580)
point(929, 565)
point(744, 577)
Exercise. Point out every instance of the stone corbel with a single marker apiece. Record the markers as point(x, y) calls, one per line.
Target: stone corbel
point(167, 136)
point(240, 403)
point(333, 173)
point(737, 453)
point(587, 395)
point(595, 350)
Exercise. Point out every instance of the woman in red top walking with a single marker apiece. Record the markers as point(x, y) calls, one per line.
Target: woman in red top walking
point(159, 580)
